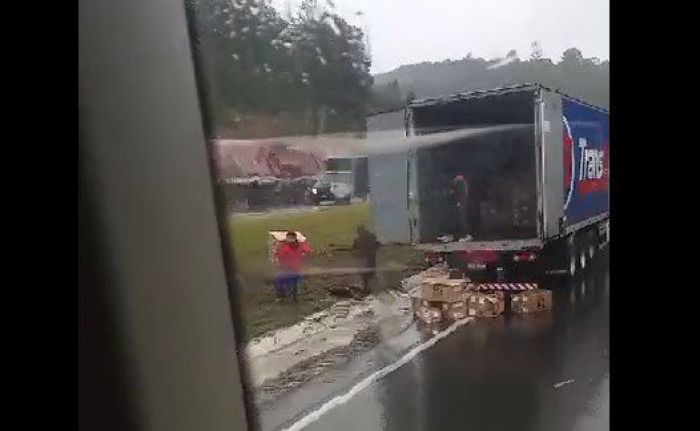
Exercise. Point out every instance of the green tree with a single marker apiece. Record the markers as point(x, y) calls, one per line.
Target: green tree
point(586, 78)
point(331, 57)
point(312, 65)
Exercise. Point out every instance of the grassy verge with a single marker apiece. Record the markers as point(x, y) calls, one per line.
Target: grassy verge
point(324, 228)
point(327, 229)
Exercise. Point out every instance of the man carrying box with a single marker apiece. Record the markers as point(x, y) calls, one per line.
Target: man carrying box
point(291, 255)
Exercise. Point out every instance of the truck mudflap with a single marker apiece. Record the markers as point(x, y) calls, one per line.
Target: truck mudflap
point(603, 234)
point(514, 287)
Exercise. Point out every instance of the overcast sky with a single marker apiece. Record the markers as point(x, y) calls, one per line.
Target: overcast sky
point(411, 31)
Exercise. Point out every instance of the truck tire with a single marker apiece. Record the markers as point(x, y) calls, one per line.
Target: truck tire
point(592, 243)
point(582, 252)
point(572, 255)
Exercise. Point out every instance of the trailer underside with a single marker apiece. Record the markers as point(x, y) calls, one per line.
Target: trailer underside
point(506, 245)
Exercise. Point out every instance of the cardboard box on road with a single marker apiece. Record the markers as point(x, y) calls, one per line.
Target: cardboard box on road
point(454, 310)
point(443, 289)
point(531, 301)
point(437, 271)
point(429, 314)
point(482, 304)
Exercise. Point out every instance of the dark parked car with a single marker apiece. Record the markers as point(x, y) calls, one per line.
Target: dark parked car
point(327, 189)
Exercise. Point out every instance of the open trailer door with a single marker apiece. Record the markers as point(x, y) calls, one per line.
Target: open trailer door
point(489, 139)
point(388, 176)
point(550, 150)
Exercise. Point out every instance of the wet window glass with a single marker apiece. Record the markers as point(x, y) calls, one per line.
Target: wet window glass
point(415, 200)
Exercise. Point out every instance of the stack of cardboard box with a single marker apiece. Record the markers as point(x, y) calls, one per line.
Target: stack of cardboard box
point(440, 298)
point(444, 299)
point(452, 299)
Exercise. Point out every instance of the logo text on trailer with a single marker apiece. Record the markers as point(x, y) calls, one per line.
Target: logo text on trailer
point(592, 162)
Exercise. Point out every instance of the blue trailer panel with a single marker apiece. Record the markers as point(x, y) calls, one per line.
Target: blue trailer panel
point(586, 162)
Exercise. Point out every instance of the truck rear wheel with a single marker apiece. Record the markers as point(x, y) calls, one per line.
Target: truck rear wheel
point(577, 251)
point(572, 253)
point(582, 253)
point(592, 243)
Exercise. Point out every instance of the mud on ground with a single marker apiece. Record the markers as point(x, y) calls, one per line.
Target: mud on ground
point(304, 371)
point(262, 311)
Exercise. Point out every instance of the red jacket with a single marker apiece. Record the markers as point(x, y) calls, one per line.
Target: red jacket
point(291, 256)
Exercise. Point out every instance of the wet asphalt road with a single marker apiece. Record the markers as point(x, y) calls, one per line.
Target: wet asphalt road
point(491, 374)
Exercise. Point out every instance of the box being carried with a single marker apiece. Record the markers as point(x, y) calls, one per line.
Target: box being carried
point(531, 301)
point(483, 304)
point(443, 289)
point(277, 236)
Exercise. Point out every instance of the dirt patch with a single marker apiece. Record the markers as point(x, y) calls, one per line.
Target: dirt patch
point(304, 371)
point(262, 311)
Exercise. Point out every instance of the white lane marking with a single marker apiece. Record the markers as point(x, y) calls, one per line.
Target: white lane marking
point(342, 399)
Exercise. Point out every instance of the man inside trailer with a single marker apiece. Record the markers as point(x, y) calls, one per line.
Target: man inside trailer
point(460, 197)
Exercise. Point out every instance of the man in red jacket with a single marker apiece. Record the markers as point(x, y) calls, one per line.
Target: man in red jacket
point(291, 255)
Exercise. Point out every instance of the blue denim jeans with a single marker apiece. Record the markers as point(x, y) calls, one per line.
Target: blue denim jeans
point(288, 286)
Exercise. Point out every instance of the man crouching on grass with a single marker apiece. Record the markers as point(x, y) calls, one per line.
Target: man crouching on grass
point(291, 255)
